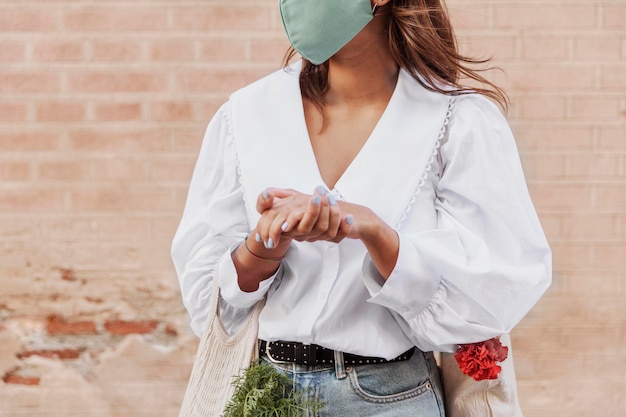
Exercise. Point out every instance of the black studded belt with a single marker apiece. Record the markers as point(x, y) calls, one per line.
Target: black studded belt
point(301, 354)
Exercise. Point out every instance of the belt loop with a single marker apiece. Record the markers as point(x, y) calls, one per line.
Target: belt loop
point(340, 366)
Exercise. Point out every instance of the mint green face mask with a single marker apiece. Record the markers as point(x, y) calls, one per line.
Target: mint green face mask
point(317, 29)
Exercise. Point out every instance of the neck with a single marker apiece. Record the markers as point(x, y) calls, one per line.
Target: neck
point(364, 70)
point(356, 82)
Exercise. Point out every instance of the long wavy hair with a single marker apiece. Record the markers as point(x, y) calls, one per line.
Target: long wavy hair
point(423, 43)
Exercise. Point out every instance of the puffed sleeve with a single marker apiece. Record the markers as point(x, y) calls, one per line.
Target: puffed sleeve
point(213, 224)
point(487, 262)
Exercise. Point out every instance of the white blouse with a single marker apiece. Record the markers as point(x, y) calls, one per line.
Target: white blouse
point(445, 173)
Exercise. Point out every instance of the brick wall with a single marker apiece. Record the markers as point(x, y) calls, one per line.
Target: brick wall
point(102, 110)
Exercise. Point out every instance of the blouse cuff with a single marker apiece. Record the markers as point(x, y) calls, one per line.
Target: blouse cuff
point(411, 285)
point(229, 283)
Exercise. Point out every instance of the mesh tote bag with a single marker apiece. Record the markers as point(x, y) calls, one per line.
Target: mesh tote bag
point(220, 357)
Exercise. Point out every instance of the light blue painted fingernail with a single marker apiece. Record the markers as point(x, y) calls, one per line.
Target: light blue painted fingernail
point(284, 226)
point(257, 237)
point(349, 219)
point(270, 243)
point(266, 195)
point(331, 200)
point(317, 200)
point(321, 190)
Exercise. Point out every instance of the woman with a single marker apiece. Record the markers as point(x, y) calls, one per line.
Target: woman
point(378, 205)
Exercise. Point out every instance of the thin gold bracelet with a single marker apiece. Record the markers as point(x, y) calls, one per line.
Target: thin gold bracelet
point(260, 258)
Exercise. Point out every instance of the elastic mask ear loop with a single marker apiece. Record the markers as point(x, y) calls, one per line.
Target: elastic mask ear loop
point(374, 9)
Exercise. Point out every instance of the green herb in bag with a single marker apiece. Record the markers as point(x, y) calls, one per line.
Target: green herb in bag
point(262, 391)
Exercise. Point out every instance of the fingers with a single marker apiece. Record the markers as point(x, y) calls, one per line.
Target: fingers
point(279, 208)
point(334, 218)
point(345, 229)
point(293, 215)
point(276, 228)
point(310, 217)
point(265, 200)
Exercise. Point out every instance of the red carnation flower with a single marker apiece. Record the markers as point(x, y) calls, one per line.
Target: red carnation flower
point(478, 360)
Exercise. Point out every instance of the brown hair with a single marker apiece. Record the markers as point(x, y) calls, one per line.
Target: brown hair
point(422, 42)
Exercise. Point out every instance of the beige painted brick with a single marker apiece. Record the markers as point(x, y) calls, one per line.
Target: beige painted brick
point(171, 169)
point(13, 111)
point(218, 81)
point(114, 18)
point(553, 16)
point(171, 110)
point(188, 140)
point(543, 107)
point(613, 76)
point(120, 140)
point(172, 50)
point(29, 81)
point(29, 140)
point(60, 111)
point(207, 109)
point(106, 255)
point(63, 170)
point(24, 19)
point(12, 50)
point(608, 309)
point(31, 199)
point(614, 15)
point(568, 255)
point(157, 254)
point(118, 111)
point(116, 50)
point(599, 48)
point(622, 223)
point(220, 17)
point(612, 137)
point(596, 107)
point(119, 168)
point(270, 50)
point(58, 50)
point(552, 225)
point(15, 170)
point(586, 283)
point(123, 199)
point(545, 47)
point(469, 16)
point(562, 196)
point(583, 395)
point(117, 82)
point(94, 227)
point(223, 50)
point(545, 166)
point(590, 227)
point(163, 227)
point(549, 77)
point(554, 137)
point(590, 167)
point(610, 197)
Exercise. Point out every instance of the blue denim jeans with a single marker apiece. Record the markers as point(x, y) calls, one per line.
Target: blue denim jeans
point(409, 388)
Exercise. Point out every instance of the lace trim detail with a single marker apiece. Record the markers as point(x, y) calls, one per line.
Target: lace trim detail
point(230, 138)
point(429, 166)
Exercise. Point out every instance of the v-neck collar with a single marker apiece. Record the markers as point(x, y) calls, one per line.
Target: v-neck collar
point(306, 138)
point(274, 149)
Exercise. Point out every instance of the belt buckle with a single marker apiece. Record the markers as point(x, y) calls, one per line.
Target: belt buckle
point(269, 355)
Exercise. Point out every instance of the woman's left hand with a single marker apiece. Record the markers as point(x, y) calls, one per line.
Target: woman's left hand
point(305, 217)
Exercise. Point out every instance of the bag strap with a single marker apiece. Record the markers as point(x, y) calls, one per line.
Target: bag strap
point(215, 324)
